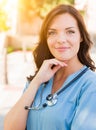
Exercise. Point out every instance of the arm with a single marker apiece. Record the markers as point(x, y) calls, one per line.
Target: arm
point(17, 116)
point(85, 116)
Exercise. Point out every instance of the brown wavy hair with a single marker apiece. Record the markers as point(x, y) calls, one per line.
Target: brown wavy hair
point(42, 52)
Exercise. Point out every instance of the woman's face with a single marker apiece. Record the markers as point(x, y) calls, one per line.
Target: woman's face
point(63, 37)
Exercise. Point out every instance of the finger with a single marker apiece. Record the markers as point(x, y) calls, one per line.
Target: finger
point(57, 62)
point(56, 68)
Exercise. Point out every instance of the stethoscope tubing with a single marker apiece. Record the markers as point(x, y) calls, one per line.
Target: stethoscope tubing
point(50, 98)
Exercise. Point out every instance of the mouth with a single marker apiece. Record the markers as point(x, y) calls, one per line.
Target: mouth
point(62, 48)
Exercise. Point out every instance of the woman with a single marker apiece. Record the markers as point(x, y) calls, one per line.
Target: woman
point(61, 95)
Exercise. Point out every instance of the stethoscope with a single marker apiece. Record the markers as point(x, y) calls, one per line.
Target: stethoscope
point(52, 99)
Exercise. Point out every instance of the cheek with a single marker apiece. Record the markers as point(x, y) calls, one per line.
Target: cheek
point(50, 42)
point(76, 47)
point(76, 42)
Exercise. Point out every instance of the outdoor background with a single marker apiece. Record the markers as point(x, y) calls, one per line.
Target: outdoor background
point(20, 23)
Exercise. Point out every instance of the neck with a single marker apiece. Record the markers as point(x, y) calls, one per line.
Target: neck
point(63, 73)
point(68, 70)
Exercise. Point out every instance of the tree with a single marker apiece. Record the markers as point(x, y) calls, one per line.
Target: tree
point(3, 18)
point(38, 7)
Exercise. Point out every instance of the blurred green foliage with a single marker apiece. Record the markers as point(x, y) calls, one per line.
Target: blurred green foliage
point(3, 17)
point(11, 49)
point(39, 7)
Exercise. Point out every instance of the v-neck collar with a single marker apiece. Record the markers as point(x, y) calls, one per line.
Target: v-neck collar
point(69, 78)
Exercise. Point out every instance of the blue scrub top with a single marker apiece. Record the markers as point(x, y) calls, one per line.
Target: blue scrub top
point(75, 109)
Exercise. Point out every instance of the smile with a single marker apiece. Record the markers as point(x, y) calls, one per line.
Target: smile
point(62, 48)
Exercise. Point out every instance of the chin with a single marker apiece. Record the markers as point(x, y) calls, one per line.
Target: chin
point(63, 59)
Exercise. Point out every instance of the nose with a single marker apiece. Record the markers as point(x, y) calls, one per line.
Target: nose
point(61, 38)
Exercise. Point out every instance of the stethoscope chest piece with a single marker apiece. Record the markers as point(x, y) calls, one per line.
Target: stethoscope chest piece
point(51, 99)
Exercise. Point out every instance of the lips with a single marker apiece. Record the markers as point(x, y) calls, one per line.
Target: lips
point(62, 48)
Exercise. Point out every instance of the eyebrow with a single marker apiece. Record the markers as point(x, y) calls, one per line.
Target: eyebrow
point(70, 28)
point(51, 29)
point(65, 28)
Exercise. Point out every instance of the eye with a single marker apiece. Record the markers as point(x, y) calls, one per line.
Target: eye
point(70, 32)
point(51, 33)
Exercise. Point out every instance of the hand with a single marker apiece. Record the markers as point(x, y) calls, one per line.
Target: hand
point(48, 69)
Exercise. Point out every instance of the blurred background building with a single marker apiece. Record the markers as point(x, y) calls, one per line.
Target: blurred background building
point(89, 9)
point(20, 23)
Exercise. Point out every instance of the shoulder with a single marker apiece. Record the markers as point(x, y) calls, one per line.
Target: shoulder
point(28, 84)
point(89, 82)
point(91, 76)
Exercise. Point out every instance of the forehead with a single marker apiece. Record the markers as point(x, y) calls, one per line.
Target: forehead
point(63, 20)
